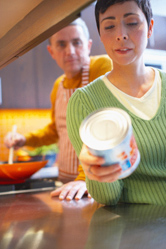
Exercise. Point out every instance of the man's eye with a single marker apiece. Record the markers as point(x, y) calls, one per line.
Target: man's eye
point(62, 44)
point(77, 43)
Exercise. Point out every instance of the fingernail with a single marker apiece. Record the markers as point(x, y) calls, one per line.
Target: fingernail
point(61, 197)
point(77, 198)
point(68, 198)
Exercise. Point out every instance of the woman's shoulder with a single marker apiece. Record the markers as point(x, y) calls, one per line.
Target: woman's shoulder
point(87, 91)
point(95, 84)
point(161, 72)
point(162, 75)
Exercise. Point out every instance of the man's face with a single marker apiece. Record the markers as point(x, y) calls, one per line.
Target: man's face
point(70, 49)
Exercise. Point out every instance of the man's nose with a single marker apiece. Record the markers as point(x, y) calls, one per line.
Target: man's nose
point(70, 49)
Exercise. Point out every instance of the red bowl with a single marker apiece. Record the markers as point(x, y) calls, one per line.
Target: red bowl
point(18, 172)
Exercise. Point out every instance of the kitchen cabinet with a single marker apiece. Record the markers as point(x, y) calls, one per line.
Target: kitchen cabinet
point(32, 22)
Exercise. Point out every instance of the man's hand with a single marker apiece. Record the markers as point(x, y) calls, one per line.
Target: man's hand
point(17, 140)
point(72, 190)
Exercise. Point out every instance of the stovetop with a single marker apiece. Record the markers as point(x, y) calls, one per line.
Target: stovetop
point(43, 180)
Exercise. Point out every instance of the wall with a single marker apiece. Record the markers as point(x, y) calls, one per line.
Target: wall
point(158, 7)
point(27, 82)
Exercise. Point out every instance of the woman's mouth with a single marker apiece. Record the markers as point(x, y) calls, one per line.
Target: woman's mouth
point(123, 50)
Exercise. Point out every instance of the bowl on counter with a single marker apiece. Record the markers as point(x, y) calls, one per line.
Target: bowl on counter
point(18, 172)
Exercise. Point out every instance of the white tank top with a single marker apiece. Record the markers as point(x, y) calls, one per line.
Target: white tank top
point(144, 107)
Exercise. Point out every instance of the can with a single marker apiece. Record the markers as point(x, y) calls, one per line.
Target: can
point(108, 133)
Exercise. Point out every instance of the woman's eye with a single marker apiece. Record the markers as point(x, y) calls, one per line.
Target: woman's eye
point(132, 23)
point(109, 27)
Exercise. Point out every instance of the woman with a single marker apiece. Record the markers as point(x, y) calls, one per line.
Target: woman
point(124, 27)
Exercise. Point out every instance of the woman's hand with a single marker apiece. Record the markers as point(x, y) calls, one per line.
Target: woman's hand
point(93, 169)
point(72, 190)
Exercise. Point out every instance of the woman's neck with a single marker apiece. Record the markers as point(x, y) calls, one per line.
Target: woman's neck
point(132, 80)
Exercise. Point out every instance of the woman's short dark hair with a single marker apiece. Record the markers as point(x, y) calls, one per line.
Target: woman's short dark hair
point(103, 5)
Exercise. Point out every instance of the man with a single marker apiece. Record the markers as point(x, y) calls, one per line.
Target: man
point(70, 48)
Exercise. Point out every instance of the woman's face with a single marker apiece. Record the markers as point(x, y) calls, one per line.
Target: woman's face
point(124, 32)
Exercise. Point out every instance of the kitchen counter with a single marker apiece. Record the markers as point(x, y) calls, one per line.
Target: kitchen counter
point(37, 221)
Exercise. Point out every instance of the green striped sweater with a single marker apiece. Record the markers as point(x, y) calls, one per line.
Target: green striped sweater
point(148, 182)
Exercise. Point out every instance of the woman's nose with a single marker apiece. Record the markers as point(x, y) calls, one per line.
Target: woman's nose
point(122, 37)
point(121, 34)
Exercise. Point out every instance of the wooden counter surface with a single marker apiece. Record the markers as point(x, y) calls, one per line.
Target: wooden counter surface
point(37, 221)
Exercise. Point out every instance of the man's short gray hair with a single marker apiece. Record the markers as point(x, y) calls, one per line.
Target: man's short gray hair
point(81, 23)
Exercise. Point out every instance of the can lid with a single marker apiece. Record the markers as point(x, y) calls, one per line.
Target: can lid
point(105, 128)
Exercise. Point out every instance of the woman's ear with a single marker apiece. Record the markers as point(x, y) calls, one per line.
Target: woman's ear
point(150, 31)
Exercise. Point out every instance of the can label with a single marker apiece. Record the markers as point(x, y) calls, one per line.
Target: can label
point(117, 148)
